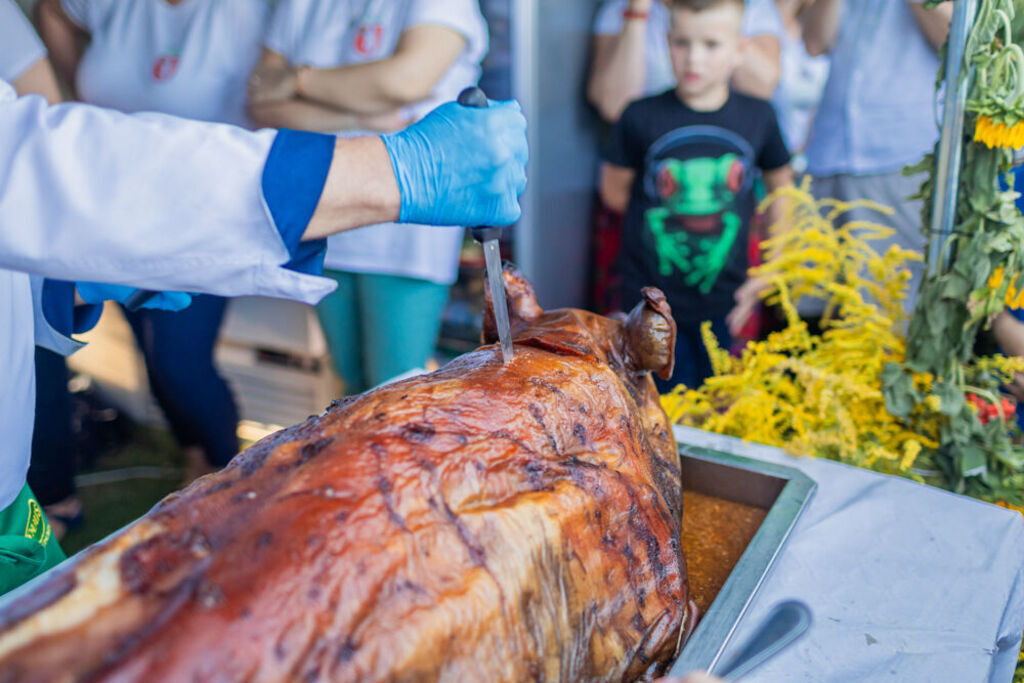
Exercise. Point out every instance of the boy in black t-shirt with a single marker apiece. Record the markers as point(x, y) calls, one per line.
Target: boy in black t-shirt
point(681, 165)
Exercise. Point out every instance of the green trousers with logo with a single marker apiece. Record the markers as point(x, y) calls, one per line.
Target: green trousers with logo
point(27, 545)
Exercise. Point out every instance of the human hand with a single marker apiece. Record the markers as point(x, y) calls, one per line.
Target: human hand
point(98, 292)
point(640, 5)
point(1016, 386)
point(746, 297)
point(461, 165)
point(272, 83)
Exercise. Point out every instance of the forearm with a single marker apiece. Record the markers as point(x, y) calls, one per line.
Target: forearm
point(758, 73)
point(934, 23)
point(301, 115)
point(619, 70)
point(821, 25)
point(361, 189)
point(369, 88)
point(64, 41)
point(615, 185)
point(773, 181)
point(38, 79)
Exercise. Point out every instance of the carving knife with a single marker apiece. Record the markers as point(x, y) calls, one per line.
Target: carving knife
point(488, 237)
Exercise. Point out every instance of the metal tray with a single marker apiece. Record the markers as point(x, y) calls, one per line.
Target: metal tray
point(784, 492)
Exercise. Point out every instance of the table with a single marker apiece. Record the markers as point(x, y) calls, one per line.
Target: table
point(907, 582)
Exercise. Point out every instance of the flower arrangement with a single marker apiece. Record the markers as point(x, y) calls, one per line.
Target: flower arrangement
point(830, 395)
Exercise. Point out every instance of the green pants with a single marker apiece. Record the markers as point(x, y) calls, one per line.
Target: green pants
point(27, 546)
point(379, 326)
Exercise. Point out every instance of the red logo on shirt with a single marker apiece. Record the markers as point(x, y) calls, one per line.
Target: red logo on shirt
point(165, 67)
point(368, 39)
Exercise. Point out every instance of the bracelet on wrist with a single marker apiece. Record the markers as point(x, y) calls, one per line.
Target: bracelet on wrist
point(633, 14)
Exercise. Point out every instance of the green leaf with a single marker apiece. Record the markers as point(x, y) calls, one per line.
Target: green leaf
point(955, 287)
point(951, 396)
point(898, 390)
point(972, 462)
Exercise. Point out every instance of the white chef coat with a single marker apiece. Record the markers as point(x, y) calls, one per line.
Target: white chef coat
point(20, 48)
point(191, 59)
point(759, 17)
point(150, 201)
point(329, 33)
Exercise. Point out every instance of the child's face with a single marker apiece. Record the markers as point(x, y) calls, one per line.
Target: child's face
point(705, 48)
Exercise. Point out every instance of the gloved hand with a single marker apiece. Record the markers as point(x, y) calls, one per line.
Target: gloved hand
point(461, 165)
point(98, 292)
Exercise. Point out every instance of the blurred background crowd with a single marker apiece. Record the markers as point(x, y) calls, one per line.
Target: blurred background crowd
point(655, 127)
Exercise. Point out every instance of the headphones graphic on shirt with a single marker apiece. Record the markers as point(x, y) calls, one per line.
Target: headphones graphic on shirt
point(732, 171)
point(692, 223)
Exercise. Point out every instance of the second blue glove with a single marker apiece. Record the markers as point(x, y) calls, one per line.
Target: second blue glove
point(98, 292)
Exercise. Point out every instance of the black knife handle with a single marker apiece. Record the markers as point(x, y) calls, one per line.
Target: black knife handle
point(138, 298)
point(475, 97)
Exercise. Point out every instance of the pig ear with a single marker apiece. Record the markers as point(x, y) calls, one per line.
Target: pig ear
point(522, 304)
point(651, 334)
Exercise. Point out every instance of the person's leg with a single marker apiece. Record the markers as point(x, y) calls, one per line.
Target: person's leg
point(339, 319)
point(401, 319)
point(178, 350)
point(27, 545)
point(52, 472)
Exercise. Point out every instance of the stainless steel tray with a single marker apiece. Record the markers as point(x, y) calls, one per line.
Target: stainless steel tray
point(784, 492)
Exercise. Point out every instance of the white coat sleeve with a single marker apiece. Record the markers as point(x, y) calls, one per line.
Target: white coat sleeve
point(148, 200)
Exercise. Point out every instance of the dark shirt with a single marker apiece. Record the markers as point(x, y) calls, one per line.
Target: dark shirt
point(686, 230)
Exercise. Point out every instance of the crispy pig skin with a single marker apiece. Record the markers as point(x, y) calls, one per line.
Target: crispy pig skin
point(483, 522)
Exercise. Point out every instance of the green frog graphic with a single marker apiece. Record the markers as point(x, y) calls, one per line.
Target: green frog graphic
point(696, 225)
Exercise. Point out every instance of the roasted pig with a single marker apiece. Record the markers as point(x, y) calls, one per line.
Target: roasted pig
point(485, 522)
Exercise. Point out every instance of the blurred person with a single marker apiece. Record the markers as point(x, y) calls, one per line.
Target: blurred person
point(163, 203)
point(24, 63)
point(191, 59)
point(630, 57)
point(877, 113)
point(362, 65)
point(681, 165)
point(629, 60)
point(801, 83)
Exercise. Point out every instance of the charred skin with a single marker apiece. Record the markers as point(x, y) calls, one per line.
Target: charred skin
point(484, 522)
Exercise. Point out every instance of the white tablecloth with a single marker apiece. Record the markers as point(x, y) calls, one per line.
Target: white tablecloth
point(906, 582)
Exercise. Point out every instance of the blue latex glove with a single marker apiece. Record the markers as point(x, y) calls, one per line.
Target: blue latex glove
point(461, 166)
point(98, 292)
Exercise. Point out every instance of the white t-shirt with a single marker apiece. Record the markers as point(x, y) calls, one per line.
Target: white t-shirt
point(191, 59)
point(20, 48)
point(760, 16)
point(330, 33)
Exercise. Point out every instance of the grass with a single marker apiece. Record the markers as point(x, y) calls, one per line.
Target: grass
point(110, 506)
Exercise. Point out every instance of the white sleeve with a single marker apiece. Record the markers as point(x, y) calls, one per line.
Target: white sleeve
point(462, 16)
point(147, 200)
point(20, 48)
point(762, 17)
point(609, 17)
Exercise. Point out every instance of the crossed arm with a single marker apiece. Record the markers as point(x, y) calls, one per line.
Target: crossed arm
point(366, 96)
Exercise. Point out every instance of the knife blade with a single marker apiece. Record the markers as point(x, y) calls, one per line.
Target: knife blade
point(488, 236)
